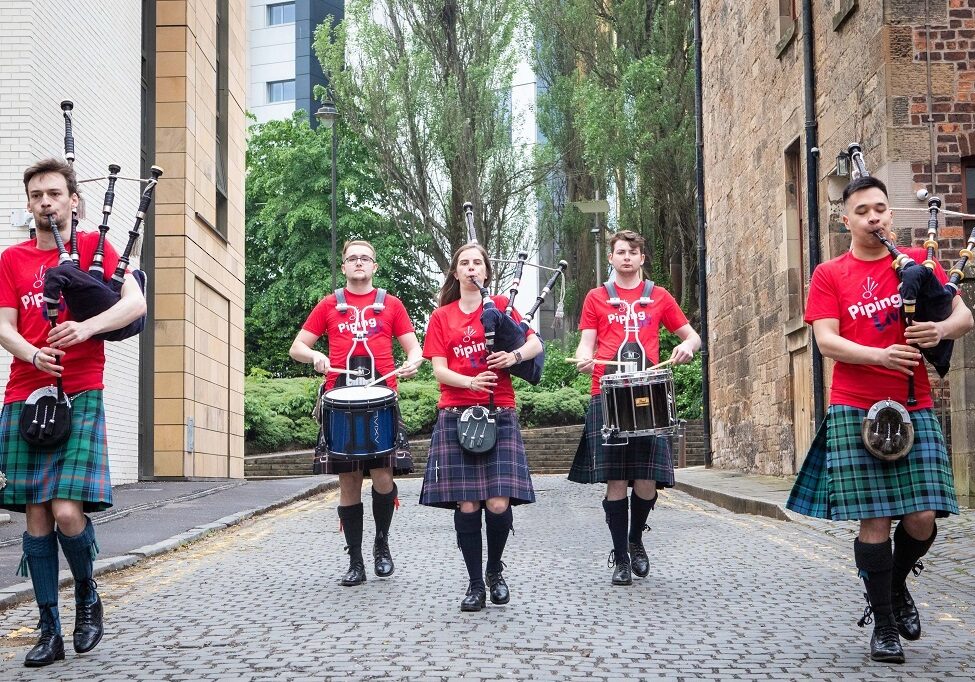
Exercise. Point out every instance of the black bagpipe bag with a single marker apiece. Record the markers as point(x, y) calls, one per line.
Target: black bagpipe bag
point(933, 305)
point(87, 295)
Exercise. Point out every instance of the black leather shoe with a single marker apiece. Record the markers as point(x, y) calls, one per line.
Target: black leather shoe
point(639, 559)
point(88, 629)
point(356, 574)
point(908, 619)
point(622, 575)
point(384, 560)
point(475, 599)
point(885, 644)
point(49, 648)
point(498, 588)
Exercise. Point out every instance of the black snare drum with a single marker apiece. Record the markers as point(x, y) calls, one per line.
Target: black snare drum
point(639, 403)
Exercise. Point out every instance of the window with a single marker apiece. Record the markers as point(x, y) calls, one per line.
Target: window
point(787, 25)
point(223, 103)
point(280, 91)
point(794, 232)
point(281, 13)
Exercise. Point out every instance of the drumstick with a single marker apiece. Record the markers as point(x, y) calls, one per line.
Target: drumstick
point(661, 364)
point(415, 363)
point(599, 362)
point(352, 372)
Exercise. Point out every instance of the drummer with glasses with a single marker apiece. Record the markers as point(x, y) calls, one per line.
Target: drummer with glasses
point(620, 325)
point(360, 323)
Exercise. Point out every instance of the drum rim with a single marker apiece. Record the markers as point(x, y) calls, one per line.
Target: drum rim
point(664, 374)
point(388, 399)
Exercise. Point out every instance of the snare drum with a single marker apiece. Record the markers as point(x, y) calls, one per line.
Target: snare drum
point(359, 422)
point(639, 403)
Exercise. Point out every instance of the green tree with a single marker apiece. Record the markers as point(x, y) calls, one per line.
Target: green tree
point(618, 114)
point(426, 85)
point(288, 234)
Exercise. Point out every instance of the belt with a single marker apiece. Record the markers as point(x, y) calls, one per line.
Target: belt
point(460, 410)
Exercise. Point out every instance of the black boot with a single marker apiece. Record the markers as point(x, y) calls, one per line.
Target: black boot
point(907, 554)
point(617, 519)
point(88, 629)
point(41, 558)
point(351, 517)
point(639, 511)
point(468, 527)
point(383, 506)
point(497, 528)
point(50, 646)
point(874, 560)
point(80, 551)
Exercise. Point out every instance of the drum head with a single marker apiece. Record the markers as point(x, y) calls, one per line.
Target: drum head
point(359, 395)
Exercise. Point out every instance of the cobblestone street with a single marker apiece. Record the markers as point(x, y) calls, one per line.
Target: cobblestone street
point(729, 596)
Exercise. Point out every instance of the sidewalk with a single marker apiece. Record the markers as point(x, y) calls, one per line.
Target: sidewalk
point(154, 517)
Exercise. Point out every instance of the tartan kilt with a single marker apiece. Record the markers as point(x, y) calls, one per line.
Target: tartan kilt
point(400, 459)
point(647, 458)
point(453, 475)
point(840, 480)
point(77, 470)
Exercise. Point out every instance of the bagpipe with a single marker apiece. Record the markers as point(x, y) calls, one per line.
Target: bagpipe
point(887, 431)
point(501, 332)
point(87, 294)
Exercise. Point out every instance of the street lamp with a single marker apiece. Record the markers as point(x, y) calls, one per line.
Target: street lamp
point(595, 207)
point(328, 115)
point(843, 164)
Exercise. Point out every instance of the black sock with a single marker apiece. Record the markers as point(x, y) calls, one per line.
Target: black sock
point(351, 517)
point(497, 527)
point(468, 527)
point(639, 512)
point(875, 562)
point(617, 520)
point(383, 506)
point(907, 550)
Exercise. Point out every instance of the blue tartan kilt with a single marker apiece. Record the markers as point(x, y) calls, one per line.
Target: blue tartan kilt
point(647, 458)
point(840, 480)
point(77, 470)
point(453, 475)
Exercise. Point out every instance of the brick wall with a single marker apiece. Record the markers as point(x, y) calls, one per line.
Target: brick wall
point(89, 52)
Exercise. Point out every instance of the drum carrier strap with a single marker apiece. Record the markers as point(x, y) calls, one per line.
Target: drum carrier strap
point(377, 306)
point(614, 297)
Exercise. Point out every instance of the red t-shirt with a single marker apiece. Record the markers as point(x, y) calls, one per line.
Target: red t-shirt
point(459, 337)
point(325, 320)
point(863, 296)
point(22, 268)
point(608, 321)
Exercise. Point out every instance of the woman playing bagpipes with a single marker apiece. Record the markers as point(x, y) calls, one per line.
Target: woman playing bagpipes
point(854, 307)
point(55, 481)
point(489, 469)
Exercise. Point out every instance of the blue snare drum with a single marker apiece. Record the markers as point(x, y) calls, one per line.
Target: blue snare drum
point(359, 422)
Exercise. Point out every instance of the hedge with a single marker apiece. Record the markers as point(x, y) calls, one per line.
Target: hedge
point(277, 412)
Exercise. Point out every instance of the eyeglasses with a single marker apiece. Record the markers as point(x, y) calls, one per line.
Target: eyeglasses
point(365, 259)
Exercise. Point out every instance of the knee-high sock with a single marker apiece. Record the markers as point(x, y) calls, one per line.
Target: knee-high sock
point(907, 550)
point(351, 517)
point(80, 550)
point(639, 512)
point(617, 520)
point(41, 557)
point(497, 527)
point(875, 562)
point(468, 527)
point(383, 506)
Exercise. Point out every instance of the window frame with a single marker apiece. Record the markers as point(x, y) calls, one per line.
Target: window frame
point(269, 90)
point(279, 6)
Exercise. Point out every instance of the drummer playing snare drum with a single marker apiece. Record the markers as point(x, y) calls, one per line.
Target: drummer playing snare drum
point(361, 334)
point(620, 326)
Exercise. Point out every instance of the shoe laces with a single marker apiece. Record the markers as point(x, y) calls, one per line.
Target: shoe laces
point(867, 617)
point(612, 561)
point(917, 568)
point(46, 638)
point(887, 635)
point(498, 572)
point(85, 613)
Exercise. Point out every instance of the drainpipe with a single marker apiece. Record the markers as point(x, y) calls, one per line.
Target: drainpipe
point(702, 251)
point(812, 191)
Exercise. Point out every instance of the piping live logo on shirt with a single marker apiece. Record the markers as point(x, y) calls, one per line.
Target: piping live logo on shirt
point(35, 299)
point(882, 311)
point(467, 348)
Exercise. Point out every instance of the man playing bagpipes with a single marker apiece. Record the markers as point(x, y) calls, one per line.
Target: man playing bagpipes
point(620, 326)
point(57, 468)
point(360, 323)
point(858, 320)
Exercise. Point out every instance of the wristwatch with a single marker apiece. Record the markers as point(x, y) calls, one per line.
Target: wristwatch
point(518, 357)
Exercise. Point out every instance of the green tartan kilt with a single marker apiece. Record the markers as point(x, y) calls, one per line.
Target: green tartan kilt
point(77, 470)
point(840, 480)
